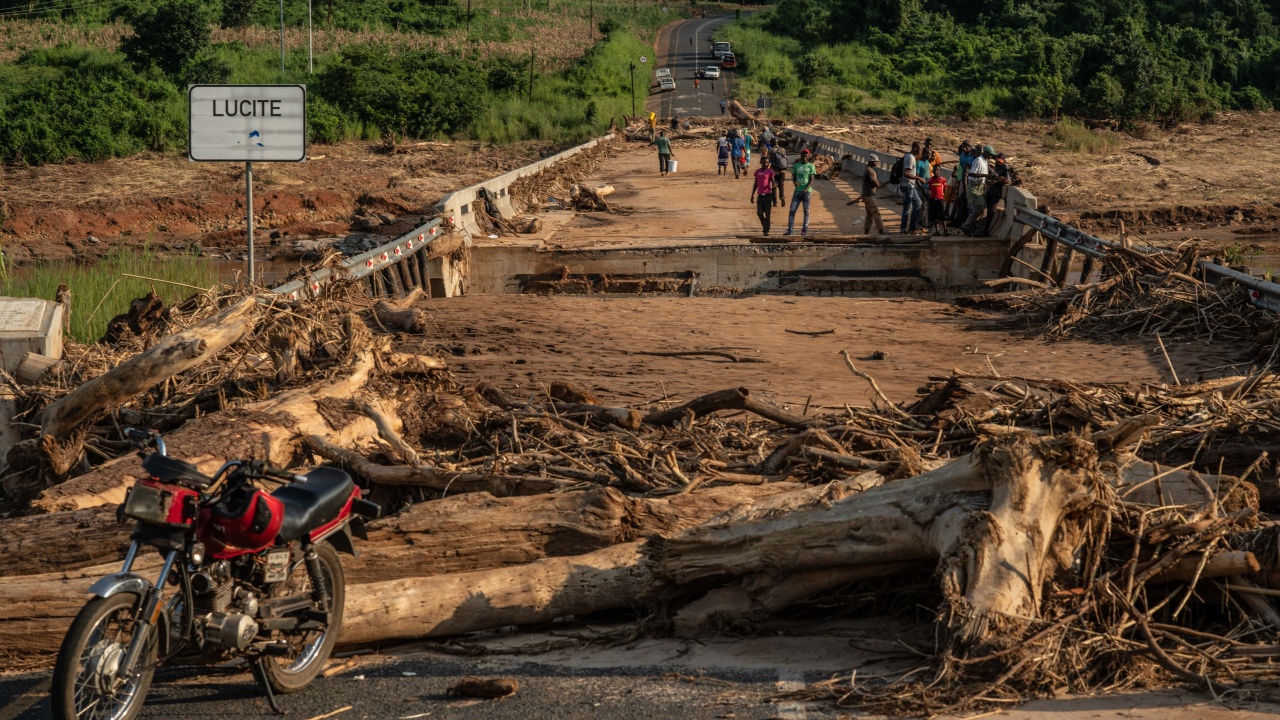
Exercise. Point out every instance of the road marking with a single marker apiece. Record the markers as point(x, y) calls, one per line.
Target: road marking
point(791, 681)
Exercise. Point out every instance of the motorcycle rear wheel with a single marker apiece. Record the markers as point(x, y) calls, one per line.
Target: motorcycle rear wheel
point(86, 685)
point(311, 649)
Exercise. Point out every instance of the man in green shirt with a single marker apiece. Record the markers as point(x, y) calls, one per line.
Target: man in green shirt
point(802, 175)
point(664, 152)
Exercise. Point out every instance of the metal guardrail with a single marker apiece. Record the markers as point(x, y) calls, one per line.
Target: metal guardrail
point(384, 267)
point(1265, 294)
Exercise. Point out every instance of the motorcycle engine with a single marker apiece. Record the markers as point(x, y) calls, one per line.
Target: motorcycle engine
point(224, 610)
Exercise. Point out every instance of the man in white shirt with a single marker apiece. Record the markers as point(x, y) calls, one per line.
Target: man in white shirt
point(976, 188)
point(911, 202)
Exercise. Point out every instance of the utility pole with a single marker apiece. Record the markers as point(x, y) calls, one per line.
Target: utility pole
point(311, 67)
point(248, 212)
point(592, 20)
point(531, 61)
point(468, 18)
point(281, 40)
point(633, 89)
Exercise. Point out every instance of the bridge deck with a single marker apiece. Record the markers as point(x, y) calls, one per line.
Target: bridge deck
point(694, 206)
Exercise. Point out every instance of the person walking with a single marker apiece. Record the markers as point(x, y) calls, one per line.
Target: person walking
point(695, 83)
point(960, 208)
point(722, 156)
point(924, 171)
point(723, 103)
point(749, 141)
point(907, 186)
point(870, 185)
point(778, 160)
point(802, 175)
point(736, 153)
point(762, 193)
point(664, 153)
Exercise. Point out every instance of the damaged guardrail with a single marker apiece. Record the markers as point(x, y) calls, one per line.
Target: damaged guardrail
point(394, 268)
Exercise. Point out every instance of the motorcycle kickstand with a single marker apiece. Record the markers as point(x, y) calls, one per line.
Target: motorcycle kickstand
point(260, 673)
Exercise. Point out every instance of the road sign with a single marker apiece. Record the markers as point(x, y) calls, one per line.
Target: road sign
point(247, 123)
point(644, 59)
point(764, 103)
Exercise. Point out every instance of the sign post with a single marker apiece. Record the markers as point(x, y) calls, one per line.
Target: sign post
point(247, 123)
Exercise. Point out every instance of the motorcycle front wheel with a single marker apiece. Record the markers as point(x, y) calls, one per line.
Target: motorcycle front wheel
point(86, 679)
point(309, 650)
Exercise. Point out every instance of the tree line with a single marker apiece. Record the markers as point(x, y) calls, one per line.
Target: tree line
point(1160, 60)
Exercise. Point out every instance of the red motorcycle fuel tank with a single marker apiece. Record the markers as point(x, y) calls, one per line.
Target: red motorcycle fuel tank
point(246, 520)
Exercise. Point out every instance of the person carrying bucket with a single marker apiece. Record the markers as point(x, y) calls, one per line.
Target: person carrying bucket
point(666, 160)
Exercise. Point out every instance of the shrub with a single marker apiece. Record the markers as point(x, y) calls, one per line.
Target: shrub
point(169, 36)
point(1075, 137)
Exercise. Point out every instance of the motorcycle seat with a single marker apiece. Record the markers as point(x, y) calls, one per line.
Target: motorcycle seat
point(313, 504)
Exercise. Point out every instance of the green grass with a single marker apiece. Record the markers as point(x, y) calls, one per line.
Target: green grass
point(101, 291)
point(1075, 137)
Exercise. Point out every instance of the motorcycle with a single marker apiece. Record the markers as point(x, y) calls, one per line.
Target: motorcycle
point(254, 575)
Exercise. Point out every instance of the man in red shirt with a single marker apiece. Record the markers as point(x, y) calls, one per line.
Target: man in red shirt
point(937, 201)
point(762, 193)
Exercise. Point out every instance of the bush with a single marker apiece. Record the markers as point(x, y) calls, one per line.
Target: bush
point(416, 93)
point(1075, 137)
point(169, 36)
point(85, 104)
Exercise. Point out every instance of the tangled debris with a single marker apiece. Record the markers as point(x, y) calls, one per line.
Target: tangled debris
point(1071, 536)
point(1140, 294)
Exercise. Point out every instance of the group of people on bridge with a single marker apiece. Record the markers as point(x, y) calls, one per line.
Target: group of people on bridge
point(931, 202)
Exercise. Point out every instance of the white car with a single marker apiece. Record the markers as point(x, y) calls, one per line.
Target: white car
point(711, 72)
point(666, 83)
point(662, 73)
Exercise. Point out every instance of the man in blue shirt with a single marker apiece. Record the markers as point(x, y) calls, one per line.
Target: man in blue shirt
point(738, 151)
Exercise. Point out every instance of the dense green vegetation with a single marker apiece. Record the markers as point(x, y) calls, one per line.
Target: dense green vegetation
point(1160, 60)
point(103, 290)
point(79, 103)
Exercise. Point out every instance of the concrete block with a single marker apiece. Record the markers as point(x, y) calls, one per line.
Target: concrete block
point(28, 325)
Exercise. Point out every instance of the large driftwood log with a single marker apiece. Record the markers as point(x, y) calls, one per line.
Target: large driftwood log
point(265, 430)
point(172, 355)
point(442, 547)
point(615, 577)
point(990, 518)
point(456, 534)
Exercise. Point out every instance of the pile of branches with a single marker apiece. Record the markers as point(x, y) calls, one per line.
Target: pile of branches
point(1140, 294)
point(1073, 537)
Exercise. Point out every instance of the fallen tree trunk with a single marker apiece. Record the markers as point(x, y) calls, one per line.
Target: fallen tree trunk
point(265, 430)
point(989, 519)
point(172, 355)
point(615, 577)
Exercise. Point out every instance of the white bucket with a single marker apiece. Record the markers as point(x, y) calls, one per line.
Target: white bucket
point(671, 166)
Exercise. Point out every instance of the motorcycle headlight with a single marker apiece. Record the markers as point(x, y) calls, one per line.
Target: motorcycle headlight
point(197, 554)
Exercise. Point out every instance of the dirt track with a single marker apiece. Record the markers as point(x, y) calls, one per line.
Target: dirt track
point(523, 342)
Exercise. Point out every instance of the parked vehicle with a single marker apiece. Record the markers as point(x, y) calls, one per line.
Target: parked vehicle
point(720, 49)
point(662, 73)
point(666, 83)
point(728, 61)
point(252, 574)
point(711, 71)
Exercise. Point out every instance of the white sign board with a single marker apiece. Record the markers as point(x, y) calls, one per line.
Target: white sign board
point(247, 123)
point(644, 59)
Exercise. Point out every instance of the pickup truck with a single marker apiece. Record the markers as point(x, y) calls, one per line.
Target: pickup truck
point(666, 83)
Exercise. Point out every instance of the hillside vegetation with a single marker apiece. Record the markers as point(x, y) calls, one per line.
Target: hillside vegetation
point(89, 81)
point(1158, 60)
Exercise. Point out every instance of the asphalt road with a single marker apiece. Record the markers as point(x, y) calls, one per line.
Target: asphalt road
point(417, 687)
point(683, 48)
